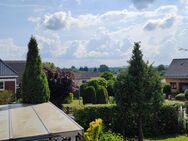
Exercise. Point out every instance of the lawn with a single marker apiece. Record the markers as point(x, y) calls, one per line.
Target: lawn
point(172, 138)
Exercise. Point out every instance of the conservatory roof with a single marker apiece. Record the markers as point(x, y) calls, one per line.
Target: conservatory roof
point(30, 122)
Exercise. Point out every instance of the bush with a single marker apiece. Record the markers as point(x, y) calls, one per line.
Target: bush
point(110, 136)
point(110, 87)
point(102, 95)
point(6, 97)
point(94, 130)
point(186, 94)
point(163, 122)
point(69, 99)
point(89, 95)
point(180, 96)
point(89, 113)
point(167, 89)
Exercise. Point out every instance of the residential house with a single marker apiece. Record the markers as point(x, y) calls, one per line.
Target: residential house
point(177, 75)
point(8, 77)
point(18, 66)
point(84, 77)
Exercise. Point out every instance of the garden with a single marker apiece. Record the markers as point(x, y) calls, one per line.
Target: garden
point(128, 106)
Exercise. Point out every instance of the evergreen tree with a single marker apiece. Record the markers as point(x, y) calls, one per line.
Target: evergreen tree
point(138, 92)
point(34, 84)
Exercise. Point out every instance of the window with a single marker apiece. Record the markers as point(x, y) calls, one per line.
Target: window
point(173, 85)
point(2, 86)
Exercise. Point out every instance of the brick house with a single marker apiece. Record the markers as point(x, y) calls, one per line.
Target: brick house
point(177, 75)
point(8, 77)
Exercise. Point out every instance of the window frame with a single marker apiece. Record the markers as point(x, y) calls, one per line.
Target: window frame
point(173, 85)
point(2, 89)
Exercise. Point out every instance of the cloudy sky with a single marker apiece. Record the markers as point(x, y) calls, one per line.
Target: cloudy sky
point(94, 32)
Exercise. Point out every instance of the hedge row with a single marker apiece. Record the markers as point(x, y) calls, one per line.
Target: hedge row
point(163, 122)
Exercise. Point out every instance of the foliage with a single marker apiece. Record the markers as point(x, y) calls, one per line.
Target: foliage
point(186, 94)
point(165, 118)
point(83, 68)
point(101, 81)
point(173, 102)
point(110, 136)
point(69, 98)
point(111, 100)
point(107, 75)
point(103, 68)
point(99, 85)
point(61, 83)
point(6, 97)
point(139, 93)
point(34, 85)
point(161, 69)
point(110, 87)
point(167, 89)
point(94, 130)
point(102, 95)
point(90, 112)
point(89, 95)
point(49, 65)
point(166, 124)
point(180, 96)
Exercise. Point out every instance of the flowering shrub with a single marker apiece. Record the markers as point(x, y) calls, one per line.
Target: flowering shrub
point(94, 130)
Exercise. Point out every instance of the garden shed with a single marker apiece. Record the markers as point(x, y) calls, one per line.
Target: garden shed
point(36, 122)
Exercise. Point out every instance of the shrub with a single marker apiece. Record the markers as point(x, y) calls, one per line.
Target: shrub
point(94, 130)
point(89, 113)
point(180, 96)
point(163, 122)
point(186, 94)
point(89, 95)
point(167, 89)
point(102, 95)
point(110, 136)
point(6, 97)
point(107, 75)
point(110, 87)
point(69, 99)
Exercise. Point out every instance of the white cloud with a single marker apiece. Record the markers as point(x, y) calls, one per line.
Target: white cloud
point(9, 50)
point(110, 35)
point(164, 23)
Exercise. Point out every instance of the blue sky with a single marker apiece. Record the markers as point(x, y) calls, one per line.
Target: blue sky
point(94, 32)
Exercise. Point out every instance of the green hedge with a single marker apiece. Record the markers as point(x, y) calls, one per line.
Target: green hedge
point(180, 96)
point(89, 95)
point(164, 122)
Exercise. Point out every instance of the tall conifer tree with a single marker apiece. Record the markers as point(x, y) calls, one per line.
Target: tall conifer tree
point(34, 84)
point(138, 92)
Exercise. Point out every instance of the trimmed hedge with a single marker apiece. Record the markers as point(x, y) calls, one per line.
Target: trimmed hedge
point(180, 96)
point(163, 122)
point(89, 95)
point(102, 95)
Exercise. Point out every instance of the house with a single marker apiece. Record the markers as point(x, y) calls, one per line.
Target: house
point(18, 66)
point(8, 77)
point(177, 75)
point(83, 77)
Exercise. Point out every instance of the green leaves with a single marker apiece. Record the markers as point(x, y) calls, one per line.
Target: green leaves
point(34, 84)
